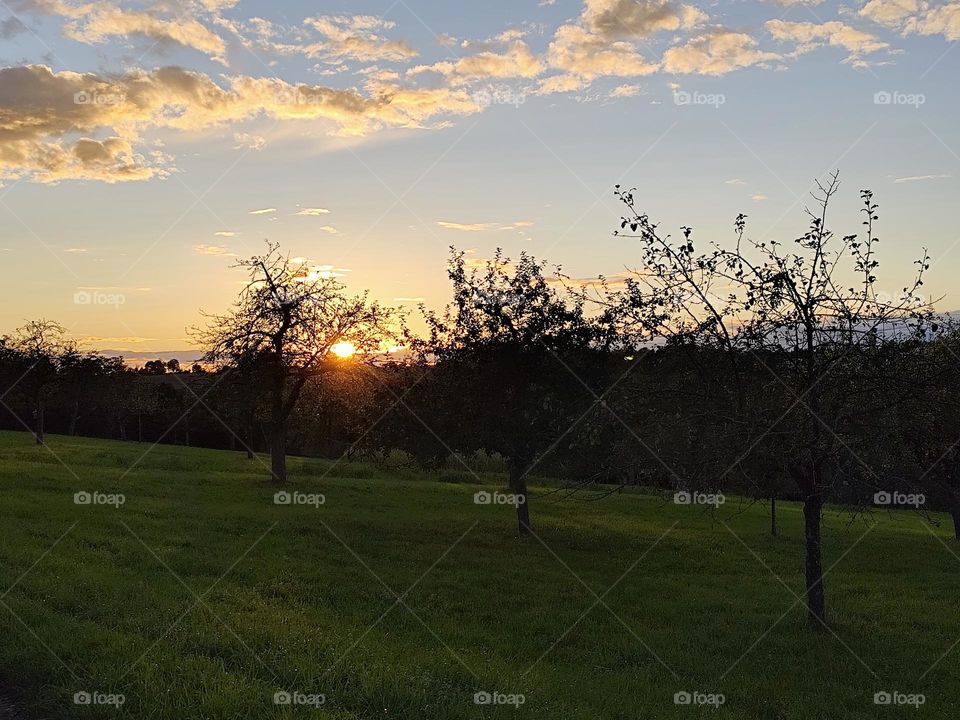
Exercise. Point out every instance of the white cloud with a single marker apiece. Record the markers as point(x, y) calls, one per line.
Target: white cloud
point(717, 52)
point(621, 91)
point(808, 36)
point(356, 38)
point(915, 178)
point(313, 212)
point(263, 211)
point(219, 250)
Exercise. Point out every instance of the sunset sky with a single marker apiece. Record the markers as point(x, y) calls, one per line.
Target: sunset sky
point(144, 144)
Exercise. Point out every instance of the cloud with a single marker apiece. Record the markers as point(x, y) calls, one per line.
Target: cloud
point(251, 142)
point(467, 227)
point(561, 84)
point(48, 120)
point(219, 250)
point(717, 52)
point(612, 19)
point(77, 250)
point(735, 181)
point(890, 13)
point(916, 17)
point(11, 27)
point(482, 227)
point(581, 54)
point(758, 197)
point(96, 22)
point(355, 38)
point(517, 61)
point(263, 211)
point(621, 91)
point(808, 36)
point(313, 212)
point(225, 233)
point(600, 43)
point(915, 178)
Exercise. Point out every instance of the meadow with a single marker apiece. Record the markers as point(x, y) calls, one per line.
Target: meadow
point(398, 596)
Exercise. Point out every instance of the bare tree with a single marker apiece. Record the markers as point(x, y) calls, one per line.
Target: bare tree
point(291, 318)
point(43, 345)
point(799, 315)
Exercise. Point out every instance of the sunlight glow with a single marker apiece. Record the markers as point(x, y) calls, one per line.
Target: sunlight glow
point(343, 349)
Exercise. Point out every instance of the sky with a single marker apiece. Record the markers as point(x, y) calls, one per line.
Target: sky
point(144, 146)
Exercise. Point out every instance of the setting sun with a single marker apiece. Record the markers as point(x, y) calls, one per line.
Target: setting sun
point(343, 349)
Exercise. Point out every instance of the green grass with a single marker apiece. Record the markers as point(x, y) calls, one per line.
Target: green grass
point(301, 598)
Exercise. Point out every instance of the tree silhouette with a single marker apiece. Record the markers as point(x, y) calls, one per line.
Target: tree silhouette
point(287, 318)
point(511, 339)
point(801, 314)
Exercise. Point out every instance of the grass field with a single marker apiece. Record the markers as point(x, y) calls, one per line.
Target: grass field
point(199, 597)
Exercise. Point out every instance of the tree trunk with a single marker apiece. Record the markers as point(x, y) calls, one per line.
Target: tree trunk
point(38, 430)
point(773, 515)
point(74, 416)
point(955, 514)
point(278, 453)
point(518, 487)
point(816, 603)
point(139, 427)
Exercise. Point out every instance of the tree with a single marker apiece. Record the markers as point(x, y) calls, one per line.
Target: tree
point(287, 319)
point(43, 346)
point(802, 315)
point(508, 344)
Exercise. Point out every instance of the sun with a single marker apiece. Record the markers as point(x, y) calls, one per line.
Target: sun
point(343, 349)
